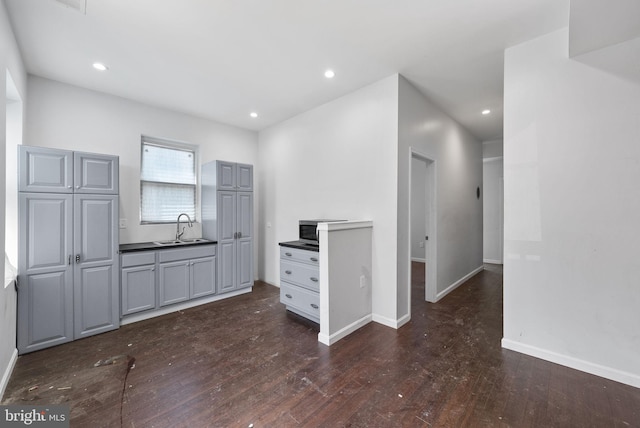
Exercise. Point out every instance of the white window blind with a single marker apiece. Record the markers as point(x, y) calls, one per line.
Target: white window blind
point(167, 182)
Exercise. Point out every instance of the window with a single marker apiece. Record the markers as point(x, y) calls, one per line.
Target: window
point(167, 181)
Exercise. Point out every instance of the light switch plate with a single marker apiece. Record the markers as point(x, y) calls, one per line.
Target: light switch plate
point(123, 223)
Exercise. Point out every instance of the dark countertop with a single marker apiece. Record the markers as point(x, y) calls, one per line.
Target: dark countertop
point(146, 246)
point(300, 245)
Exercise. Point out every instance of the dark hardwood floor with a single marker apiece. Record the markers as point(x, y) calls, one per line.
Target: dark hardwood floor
point(244, 361)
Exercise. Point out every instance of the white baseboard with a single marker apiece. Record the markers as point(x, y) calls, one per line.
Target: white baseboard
point(384, 321)
point(129, 319)
point(574, 363)
point(458, 283)
point(7, 373)
point(416, 259)
point(492, 262)
point(333, 338)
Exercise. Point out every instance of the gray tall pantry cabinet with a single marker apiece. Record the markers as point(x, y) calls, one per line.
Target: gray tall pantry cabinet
point(227, 217)
point(68, 246)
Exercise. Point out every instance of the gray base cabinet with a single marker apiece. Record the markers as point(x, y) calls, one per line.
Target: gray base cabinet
point(68, 243)
point(138, 282)
point(300, 282)
point(172, 275)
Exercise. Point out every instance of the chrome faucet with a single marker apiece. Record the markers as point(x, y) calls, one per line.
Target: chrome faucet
point(178, 233)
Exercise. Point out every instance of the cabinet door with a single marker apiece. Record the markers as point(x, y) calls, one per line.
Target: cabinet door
point(95, 173)
point(226, 172)
point(96, 278)
point(244, 177)
point(245, 239)
point(174, 282)
point(138, 289)
point(227, 245)
point(45, 292)
point(203, 274)
point(45, 170)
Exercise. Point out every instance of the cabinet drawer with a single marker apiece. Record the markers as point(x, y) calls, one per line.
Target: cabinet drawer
point(300, 274)
point(303, 256)
point(137, 259)
point(186, 253)
point(304, 300)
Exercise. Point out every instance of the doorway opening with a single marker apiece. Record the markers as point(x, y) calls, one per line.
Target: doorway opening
point(422, 228)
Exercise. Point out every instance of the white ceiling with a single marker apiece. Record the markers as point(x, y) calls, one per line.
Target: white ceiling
point(223, 59)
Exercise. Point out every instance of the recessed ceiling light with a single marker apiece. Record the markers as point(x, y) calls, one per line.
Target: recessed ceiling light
point(253, 114)
point(100, 66)
point(329, 74)
point(486, 112)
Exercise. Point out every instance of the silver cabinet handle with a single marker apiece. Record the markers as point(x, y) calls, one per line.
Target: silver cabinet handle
point(69, 187)
point(288, 272)
point(239, 235)
point(287, 254)
point(235, 235)
point(314, 306)
point(77, 187)
point(313, 259)
point(314, 279)
point(77, 258)
point(288, 296)
point(69, 258)
point(153, 269)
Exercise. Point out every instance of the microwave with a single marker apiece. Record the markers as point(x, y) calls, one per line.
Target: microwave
point(308, 230)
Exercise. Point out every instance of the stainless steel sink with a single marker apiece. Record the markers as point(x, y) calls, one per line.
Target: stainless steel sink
point(172, 242)
point(180, 241)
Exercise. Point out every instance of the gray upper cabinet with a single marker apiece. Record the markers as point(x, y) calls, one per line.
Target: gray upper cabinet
point(45, 170)
point(226, 175)
point(234, 176)
point(244, 177)
point(227, 217)
point(95, 174)
point(68, 244)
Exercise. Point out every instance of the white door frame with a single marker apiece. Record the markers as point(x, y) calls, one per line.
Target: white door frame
point(431, 245)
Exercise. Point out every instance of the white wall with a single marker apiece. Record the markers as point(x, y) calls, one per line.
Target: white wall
point(10, 61)
point(418, 209)
point(572, 204)
point(458, 158)
point(335, 161)
point(492, 200)
point(69, 117)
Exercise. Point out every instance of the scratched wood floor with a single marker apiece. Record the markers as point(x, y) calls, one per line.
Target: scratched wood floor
point(245, 361)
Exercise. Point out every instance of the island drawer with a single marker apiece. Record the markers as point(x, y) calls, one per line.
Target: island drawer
point(300, 274)
point(304, 256)
point(299, 298)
